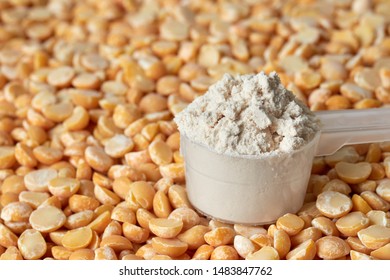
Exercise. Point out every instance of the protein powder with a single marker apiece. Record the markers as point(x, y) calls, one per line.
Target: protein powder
point(248, 146)
point(248, 115)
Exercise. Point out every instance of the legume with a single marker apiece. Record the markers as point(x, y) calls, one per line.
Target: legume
point(47, 219)
point(332, 247)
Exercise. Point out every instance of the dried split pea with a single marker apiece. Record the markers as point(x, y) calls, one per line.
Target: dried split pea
point(12, 253)
point(121, 186)
point(79, 219)
point(165, 228)
point(310, 233)
point(16, 211)
point(194, 236)
point(304, 251)
point(326, 226)
point(78, 203)
point(248, 231)
point(88, 99)
point(375, 201)
point(135, 233)
point(359, 204)
point(77, 238)
point(178, 196)
point(317, 183)
point(47, 155)
point(160, 153)
point(82, 254)
point(24, 155)
point(58, 112)
point(161, 206)
point(56, 236)
point(101, 222)
point(113, 228)
point(375, 236)
point(382, 253)
point(203, 252)
point(102, 209)
point(116, 242)
point(7, 198)
point(243, 245)
point(13, 184)
point(219, 236)
point(353, 173)
point(383, 190)
point(265, 253)
point(98, 159)
point(60, 253)
point(368, 185)
point(18, 227)
point(7, 237)
point(344, 154)
point(337, 102)
point(105, 196)
point(140, 194)
point(290, 223)
point(161, 257)
point(337, 186)
point(7, 157)
point(123, 214)
point(355, 255)
point(63, 187)
point(78, 119)
point(333, 204)
point(170, 247)
point(61, 77)
point(187, 215)
point(38, 181)
point(282, 242)
point(31, 244)
point(105, 253)
point(47, 219)
point(332, 247)
point(174, 171)
point(262, 239)
point(143, 217)
point(377, 217)
point(118, 146)
point(224, 252)
point(146, 251)
point(352, 223)
point(94, 244)
point(134, 257)
point(35, 199)
point(86, 81)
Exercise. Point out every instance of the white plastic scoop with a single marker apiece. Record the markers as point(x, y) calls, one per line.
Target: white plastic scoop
point(345, 127)
point(260, 189)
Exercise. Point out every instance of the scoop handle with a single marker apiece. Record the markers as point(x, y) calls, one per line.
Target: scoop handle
point(343, 127)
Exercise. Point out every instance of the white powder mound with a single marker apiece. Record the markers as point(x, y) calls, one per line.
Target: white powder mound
point(248, 115)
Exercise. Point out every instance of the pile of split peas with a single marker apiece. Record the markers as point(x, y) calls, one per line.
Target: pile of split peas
point(90, 166)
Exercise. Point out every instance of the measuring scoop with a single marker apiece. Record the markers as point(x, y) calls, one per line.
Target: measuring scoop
point(258, 190)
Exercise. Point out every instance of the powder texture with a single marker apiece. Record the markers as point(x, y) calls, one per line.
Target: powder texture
point(248, 115)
